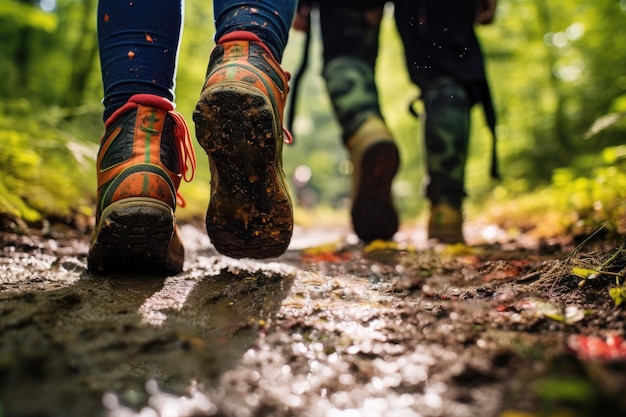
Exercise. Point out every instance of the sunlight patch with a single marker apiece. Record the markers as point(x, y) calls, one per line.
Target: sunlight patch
point(171, 297)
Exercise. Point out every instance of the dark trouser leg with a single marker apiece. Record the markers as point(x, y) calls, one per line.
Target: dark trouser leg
point(138, 45)
point(269, 20)
point(350, 40)
point(446, 133)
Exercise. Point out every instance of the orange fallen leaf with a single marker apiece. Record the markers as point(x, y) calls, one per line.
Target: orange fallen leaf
point(326, 257)
point(512, 269)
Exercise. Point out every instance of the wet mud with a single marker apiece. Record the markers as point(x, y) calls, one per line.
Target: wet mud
point(330, 329)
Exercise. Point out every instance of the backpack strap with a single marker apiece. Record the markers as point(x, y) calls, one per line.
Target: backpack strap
point(490, 118)
point(296, 79)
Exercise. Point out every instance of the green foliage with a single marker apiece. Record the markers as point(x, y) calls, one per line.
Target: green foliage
point(550, 67)
point(579, 199)
point(45, 169)
point(23, 15)
point(20, 24)
point(556, 388)
point(618, 294)
point(606, 267)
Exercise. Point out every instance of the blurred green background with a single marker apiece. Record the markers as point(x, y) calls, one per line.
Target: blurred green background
point(557, 71)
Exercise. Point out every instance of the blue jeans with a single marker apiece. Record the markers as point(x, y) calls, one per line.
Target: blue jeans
point(138, 40)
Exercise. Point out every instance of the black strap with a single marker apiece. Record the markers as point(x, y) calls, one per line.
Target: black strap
point(490, 118)
point(295, 86)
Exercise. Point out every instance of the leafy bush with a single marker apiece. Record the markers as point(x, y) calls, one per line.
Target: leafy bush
point(46, 171)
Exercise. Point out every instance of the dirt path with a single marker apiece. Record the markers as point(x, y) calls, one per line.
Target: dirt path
point(332, 330)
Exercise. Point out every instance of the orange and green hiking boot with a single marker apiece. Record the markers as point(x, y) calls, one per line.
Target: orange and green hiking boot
point(239, 123)
point(145, 152)
point(375, 160)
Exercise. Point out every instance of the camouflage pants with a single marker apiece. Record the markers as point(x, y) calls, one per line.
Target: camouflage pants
point(350, 40)
point(447, 107)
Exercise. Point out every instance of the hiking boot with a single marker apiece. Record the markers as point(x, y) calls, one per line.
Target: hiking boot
point(239, 123)
point(446, 223)
point(144, 153)
point(375, 160)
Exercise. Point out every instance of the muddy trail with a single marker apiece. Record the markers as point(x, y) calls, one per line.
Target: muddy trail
point(329, 329)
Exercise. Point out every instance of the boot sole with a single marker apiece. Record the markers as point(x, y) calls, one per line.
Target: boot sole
point(373, 213)
point(250, 213)
point(135, 234)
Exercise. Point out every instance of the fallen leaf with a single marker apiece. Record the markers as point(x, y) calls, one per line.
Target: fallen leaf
point(326, 257)
point(329, 252)
point(568, 315)
point(516, 413)
point(326, 247)
point(571, 315)
point(511, 269)
point(618, 294)
point(381, 245)
point(584, 273)
point(611, 348)
point(457, 249)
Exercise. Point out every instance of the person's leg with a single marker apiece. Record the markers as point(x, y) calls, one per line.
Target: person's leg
point(239, 123)
point(446, 133)
point(145, 150)
point(270, 20)
point(445, 61)
point(350, 40)
point(138, 43)
point(350, 43)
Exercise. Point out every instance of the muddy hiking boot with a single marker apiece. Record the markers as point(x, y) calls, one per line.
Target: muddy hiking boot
point(446, 223)
point(145, 152)
point(375, 160)
point(239, 123)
